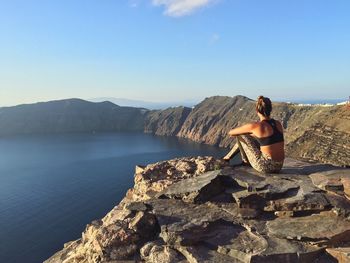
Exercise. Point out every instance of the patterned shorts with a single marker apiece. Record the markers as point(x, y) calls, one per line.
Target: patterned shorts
point(251, 153)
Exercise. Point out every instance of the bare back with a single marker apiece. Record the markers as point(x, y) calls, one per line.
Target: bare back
point(263, 129)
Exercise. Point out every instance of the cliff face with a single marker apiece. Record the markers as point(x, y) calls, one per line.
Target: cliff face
point(324, 136)
point(166, 122)
point(210, 120)
point(201, 210)
point(311, 132)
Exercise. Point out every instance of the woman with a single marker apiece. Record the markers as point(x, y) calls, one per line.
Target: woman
point(261, 143)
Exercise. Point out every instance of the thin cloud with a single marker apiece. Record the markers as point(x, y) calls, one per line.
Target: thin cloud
point(214, 38)
point(178, 8)
point(134, 3)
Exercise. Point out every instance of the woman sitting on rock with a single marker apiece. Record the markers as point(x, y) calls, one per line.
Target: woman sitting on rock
point(261, 143)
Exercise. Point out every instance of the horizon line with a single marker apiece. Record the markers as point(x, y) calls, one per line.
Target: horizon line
point(186, 101)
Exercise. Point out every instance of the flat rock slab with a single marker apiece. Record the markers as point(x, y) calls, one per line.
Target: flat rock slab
point(275, 188)
point(335, 180)
point(326, 226)
point(136, 206)
point(342, 254)
point(300, 202)
point(246, 178)
point(240, 212)
point(242, 246)
point(346, 184)
point(249, 246)
point(340, 204)
point(305, 183)
point(186, 223)
point(293, 166)
point(307, 198)
point(202, 254)
point(254, 189)
point(282, 251)
point(246, 199)
point(196, 189)
point(279, 187)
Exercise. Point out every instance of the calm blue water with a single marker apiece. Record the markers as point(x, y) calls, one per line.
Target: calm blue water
point(51, 186)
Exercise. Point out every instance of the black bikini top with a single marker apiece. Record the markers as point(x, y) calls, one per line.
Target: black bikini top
point(276, 136)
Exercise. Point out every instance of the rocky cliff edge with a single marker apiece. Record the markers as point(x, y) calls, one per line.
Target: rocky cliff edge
point(203, 210)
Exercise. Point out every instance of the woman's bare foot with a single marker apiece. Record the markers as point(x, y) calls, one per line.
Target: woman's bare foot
point(226, 159)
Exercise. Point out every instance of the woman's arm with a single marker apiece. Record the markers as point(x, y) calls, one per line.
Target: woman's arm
point(244, 129)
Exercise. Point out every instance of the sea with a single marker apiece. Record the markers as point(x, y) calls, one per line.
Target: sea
point(51, 186)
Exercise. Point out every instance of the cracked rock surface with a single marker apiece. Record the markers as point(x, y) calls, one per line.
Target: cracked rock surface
point(199, 209)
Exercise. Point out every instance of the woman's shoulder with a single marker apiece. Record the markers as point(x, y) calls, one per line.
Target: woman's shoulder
point(278, 125)
point(255, 124)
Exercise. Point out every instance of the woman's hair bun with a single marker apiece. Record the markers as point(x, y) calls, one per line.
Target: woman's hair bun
point(264, 106)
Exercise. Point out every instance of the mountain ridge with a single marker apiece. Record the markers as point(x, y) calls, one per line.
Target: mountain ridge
point(69, 115)
point(207, 122)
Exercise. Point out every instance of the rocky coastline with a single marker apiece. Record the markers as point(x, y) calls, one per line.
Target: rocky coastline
point(200, 209)
point(313, 133)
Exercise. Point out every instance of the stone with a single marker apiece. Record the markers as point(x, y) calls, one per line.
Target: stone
point(202, 254)
point(308, 198)
point(136, 206)
point(197, 189)
point(247, 179)
point(159, 176)
point(237, 212)
point(284, 213)
point(144, 224)
point(255, 189)
point(246, 199)
point(282, 250)
point(248, 246)
point(274, 188)
point(158, 252)
point(139, 169)
point(241, 246)
point(332, 180)
point(342, 254)
point(340, 205)
point(184, 223)
point(325, 226)
point(279, 187)
point(294, 166)
point(346, 185)
point(300, 202)
point(115, 241)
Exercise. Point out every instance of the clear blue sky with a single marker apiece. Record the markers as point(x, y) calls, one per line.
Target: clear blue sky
point(171, 50)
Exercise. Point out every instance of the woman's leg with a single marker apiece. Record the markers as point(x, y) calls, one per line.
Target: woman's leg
point(251, 153)
point(241, 150)
point(232, 153)
point(250, 149)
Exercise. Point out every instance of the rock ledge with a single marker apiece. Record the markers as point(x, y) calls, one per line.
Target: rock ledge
point(202, 210)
